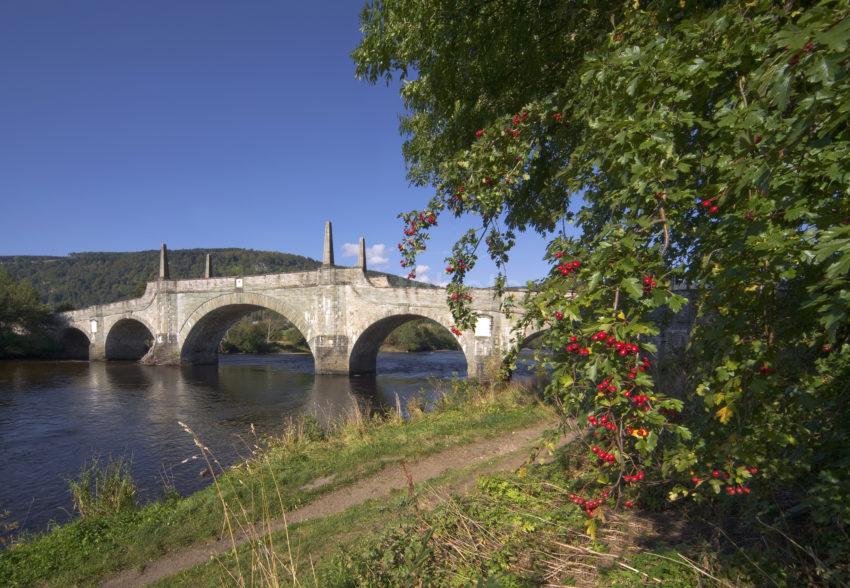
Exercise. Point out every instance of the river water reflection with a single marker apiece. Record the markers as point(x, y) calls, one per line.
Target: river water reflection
point(56, 415)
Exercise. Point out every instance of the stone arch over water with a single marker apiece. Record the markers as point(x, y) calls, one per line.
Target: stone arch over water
point(73, 344)
point(128, 339)
point(202, 333)
point(519, 362)
point(364, 352)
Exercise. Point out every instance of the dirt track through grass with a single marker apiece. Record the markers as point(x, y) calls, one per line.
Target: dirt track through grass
point(510, 451)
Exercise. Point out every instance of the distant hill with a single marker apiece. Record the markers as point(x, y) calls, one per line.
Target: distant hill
point(84, 279)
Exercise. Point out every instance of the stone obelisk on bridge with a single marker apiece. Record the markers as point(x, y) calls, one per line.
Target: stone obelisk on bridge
point(344, 313)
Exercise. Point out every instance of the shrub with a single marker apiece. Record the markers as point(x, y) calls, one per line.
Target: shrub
point(103, 488)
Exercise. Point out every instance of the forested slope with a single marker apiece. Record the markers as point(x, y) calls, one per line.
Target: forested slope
point(83, 279)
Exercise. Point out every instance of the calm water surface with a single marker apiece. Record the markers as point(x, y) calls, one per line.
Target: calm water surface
point(54, 416)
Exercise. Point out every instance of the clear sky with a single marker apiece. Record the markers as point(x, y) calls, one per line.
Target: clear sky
point(202, 123)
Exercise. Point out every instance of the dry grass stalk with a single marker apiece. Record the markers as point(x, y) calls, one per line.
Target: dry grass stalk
point(265, 566)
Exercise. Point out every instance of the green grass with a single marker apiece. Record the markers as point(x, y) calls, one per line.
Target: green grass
point(315, 545)
point(84, 551)
point(510, 530)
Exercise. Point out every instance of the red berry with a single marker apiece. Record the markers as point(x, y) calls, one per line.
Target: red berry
point(715, 473)
point(713, 210)
point(479, 133)
point(559, 315)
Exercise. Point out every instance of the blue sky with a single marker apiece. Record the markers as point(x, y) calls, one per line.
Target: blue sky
point(209, 123)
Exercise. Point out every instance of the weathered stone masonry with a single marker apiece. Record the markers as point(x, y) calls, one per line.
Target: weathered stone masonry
point(344, 314)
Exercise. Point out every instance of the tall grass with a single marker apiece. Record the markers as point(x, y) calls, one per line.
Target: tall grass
point(253, 514)
point(103, 488)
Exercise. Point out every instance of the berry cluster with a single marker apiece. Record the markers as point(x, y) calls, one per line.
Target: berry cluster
point(601, 422)
point(455, 331)
point(730, 489)
point(636, 477)
point(644, 365)
point(559, 315)
point(455, 296)
point(606, 386)
point(568, 267)
point(709, 205)
point(648, 284)
point(425, 219)
point(458, 265)
point(638, 431)
point(458, 194)
point(604, 455)
point(557, 116)
point(575, 347)
point(479, 133)
point(589, 505)
point(622, 348)
point(640, 401)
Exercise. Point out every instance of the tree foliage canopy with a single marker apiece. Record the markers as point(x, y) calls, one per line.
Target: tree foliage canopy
point(24, 320)
point(704, 142)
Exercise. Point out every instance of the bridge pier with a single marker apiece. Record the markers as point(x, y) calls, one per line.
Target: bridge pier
point(97, 351)
point(330, 354)
point(165, 351)
point(345, 313)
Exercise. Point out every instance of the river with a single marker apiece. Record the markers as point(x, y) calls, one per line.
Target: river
point(54, 416)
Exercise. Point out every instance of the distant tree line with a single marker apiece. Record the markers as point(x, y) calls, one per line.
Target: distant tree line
point(25, 322)
point(268, 332)
point(84, 279)
point(33, 286)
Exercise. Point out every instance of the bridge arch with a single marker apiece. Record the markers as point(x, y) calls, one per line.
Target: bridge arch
point(128, 338)
point(201, 334)
point(73, 344)
point(517, 364)
point(364, 351)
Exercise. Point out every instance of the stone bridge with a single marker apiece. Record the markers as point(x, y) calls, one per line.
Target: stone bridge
point(344, 313)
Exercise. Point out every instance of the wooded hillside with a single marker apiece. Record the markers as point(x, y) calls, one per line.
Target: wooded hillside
point(83, 279)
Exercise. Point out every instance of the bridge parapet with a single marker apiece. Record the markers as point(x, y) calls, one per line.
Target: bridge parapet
point(344, 314)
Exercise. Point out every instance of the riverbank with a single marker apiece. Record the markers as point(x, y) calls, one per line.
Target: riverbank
point(295, 468)
point(479, 490)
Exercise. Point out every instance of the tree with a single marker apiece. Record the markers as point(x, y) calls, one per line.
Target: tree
point(24, 320)
point(704, 142)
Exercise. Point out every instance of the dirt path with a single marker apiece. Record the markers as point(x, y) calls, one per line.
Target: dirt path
point(510, 451)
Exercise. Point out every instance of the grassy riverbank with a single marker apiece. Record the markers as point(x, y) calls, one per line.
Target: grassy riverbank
point(516, 528)
point(296, 467)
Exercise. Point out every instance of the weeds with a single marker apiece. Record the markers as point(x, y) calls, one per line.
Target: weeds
point(103, 488)
point(278, 476)
point(8, 528)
